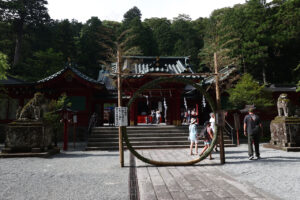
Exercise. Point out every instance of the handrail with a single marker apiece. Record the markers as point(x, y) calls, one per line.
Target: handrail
point(229, 132)
point(228, 125)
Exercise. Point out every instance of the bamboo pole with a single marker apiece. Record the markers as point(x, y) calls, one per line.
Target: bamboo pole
point(121, 148)
point(218, 99)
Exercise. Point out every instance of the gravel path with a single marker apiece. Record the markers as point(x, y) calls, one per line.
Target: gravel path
point(278, 172)
point(69, 175)
point(98, 175)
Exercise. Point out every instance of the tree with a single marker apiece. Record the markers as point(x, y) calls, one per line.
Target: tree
point(162, 34)
point(220, 39)
point(131, 15)
point(186, 40)
point(3, 66)
point(140, 39)
point(41, 64)
point(22, 13)
point(248, 92)
point(91, 52)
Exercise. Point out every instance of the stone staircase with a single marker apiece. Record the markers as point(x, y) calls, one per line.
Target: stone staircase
point(144, 137)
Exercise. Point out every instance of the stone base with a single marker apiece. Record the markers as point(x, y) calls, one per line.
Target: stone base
point(285, 132)
point(27, 136)
point(46, 154)
point(288, 149)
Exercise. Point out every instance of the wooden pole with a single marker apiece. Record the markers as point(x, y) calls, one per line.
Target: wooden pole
point(74, 135)
point(121, 148)
point(218, 99)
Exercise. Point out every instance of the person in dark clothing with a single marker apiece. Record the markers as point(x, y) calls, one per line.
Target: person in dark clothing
point(252, 129)
point(111, 117)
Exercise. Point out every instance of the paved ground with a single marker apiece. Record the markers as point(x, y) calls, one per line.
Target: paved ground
point(72, 175)
point(276, 175)
point(278, 171)
point(97, 175)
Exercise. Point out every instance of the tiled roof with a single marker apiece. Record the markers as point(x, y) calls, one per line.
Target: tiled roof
point(170, 65)
point(281, 88)
point(226, 72)
point(78, 73)
point(103, 77)
point(11, 81)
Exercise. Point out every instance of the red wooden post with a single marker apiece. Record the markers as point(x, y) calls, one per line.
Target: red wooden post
point(65, 131)
point(74, 129)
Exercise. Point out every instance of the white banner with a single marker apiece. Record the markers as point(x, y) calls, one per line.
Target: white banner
point(121, 118)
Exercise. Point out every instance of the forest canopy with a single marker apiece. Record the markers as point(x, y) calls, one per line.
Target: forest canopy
point(263, 39)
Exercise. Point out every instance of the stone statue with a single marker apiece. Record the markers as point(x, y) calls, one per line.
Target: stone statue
point(283, 105)
point(29, 132)
point(32, 110)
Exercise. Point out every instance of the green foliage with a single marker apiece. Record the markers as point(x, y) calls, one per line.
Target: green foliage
point(133, 14)
point(263, 38)
point(49, 62)
point(187, 42)
point(221, 39)
point(298, 87)
point(20, 14)
point(3, 66)
point(248, 92)
point(162, 33)
point(51, 117)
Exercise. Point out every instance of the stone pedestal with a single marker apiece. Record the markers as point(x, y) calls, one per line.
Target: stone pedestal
point(27, 136)
point(285, 132)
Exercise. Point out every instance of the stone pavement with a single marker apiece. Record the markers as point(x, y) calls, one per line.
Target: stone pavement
point(205, 180)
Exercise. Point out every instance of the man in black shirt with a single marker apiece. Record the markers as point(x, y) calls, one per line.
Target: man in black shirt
point(252, 129)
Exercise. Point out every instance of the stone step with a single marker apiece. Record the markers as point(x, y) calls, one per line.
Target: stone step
point(116, 148)
point(144, 143)
point(143, 131)
point(144, 139)
point(141, 137)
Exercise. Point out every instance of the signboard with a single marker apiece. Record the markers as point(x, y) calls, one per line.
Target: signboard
point(121, 118)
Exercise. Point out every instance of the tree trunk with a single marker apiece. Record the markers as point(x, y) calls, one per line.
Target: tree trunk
point(264, 75)
point(18, 46)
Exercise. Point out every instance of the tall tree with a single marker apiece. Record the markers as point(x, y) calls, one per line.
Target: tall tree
point(41, 64)
point(3, 66)
point(163, 35)
point(142, 41)
point(186, 41)
point(22, 13)
point(91, 52)
point(219, 39)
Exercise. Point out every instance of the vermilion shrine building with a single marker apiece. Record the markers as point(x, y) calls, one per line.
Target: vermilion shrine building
point(88, 95)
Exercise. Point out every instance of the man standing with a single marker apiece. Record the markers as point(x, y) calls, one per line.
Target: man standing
point(252, 129)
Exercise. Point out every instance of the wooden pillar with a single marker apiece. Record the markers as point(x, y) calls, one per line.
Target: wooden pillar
point(176, 110)
point(136, 111)
point(121, 148)
point(132, 114)
point(218, 99)
point(101, 111)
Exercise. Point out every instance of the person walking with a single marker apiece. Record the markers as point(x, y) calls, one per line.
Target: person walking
point(153, 116)
point(212, 121)
point(208, 136)
point(193, 136)
point(158, 116)
point(252, 129)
